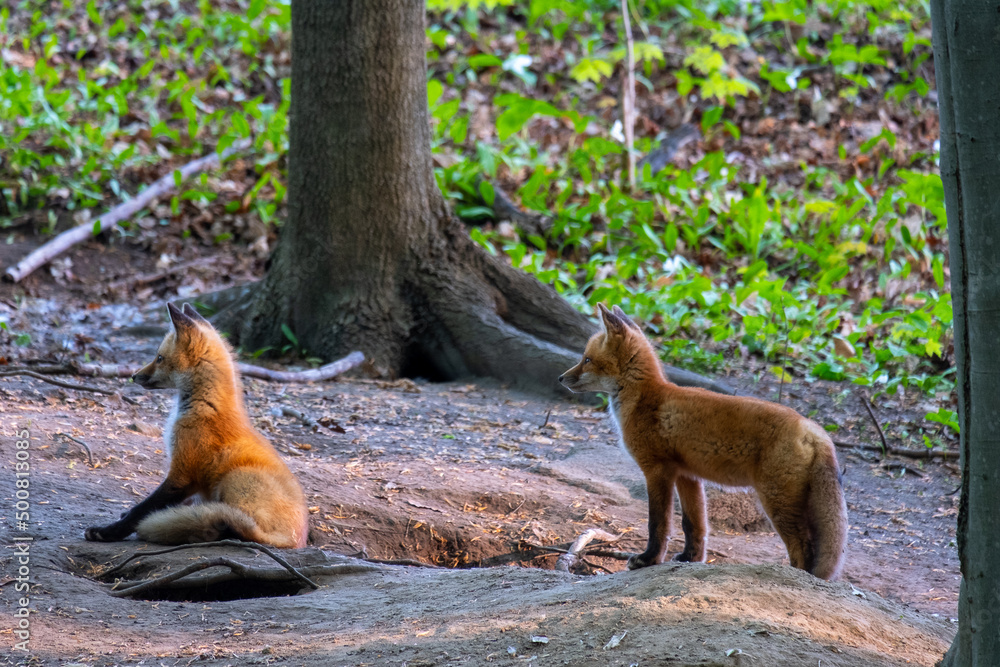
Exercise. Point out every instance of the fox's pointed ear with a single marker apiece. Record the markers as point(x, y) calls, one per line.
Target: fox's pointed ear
point(182, 323)
point(625, 318)
point(193, 313)
point(612, 323)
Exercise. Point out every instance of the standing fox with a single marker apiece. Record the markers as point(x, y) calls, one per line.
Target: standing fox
point(679, 436)
point(249, 492)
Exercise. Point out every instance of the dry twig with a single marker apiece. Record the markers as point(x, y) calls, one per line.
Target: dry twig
point(899, 451)
point(284, 410)
point(327, 372)
point(145, 279)
point(58, 383)
point(90, 454)
point(865, 402)
point(899, 465)
point(167, 184)
point(568, 559)
point(531, 222)
point(401, 561)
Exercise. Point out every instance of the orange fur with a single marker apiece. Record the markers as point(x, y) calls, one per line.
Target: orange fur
point(215, 453)
point(680, 436)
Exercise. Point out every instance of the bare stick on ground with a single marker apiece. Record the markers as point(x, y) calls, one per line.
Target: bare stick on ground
point(58, 383)
point(567, 560)
point(408, 562)
point(865, 402)
point(899, 451)
point(327, 372)
point(899, 465)
point(145, 279)
point(165, 185)
point(304, 419)
point(86, 447)
point(531, 222)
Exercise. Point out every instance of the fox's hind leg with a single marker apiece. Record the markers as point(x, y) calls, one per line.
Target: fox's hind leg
point(789, 519)
point(694, 519)
point(660, 488)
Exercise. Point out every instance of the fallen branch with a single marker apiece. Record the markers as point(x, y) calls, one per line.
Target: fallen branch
point(86, 447)
point(167, 184)
point(899, 451)
point(531, 222)
point(285, 411)
point(610, 553)
point(58, 383)
point(899, 465)
point(625, 555)
point(103, 370)
point(402, 561)
point(145, 279)
point(67, 385)
point(327, 372)
point(865, 402)
point(566, 561)
point(661, 156)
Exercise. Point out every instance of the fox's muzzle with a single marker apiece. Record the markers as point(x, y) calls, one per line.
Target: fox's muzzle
point(141, 379)
point(569, 380)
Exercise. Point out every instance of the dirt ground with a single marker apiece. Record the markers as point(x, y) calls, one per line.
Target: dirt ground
point(476, 479)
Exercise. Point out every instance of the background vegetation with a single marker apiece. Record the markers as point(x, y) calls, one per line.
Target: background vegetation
point(804, 229)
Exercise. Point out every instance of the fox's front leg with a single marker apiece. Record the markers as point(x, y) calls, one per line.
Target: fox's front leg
point(660, 488)
point(165, 495)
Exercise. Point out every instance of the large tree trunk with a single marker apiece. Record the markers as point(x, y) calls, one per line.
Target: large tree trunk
point(968, 84)
point(370, 257)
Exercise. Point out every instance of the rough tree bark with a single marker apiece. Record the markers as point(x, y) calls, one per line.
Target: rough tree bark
point(370, 257)
point(968, 82)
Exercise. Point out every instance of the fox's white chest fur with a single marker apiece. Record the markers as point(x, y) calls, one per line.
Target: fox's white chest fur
point(614, 409)
point(168, 428)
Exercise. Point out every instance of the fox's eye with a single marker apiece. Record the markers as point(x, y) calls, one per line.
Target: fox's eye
point(586, 360)
point(159, 358)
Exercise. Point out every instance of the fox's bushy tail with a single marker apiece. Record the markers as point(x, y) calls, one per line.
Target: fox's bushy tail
point(186, 524)
point(827, 515)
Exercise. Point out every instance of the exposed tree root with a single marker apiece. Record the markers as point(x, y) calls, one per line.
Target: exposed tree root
point(219, 543)
point(237, 571)
point(471, 314)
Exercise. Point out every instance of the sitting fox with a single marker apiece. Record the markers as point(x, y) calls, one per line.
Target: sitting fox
point(248, 491)
point(680, 436)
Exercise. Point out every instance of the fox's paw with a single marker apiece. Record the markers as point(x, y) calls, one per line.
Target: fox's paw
point(640, 560)
point(689, 557)
point(98, 534)
point(112, 533)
